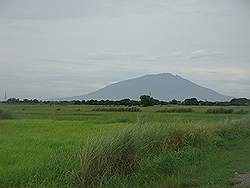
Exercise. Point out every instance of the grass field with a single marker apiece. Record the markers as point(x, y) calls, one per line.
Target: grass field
point(41, 145)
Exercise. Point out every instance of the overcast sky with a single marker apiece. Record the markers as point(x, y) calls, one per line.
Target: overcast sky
point(61, 48)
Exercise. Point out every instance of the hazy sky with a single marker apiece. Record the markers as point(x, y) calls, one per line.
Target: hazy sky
point(60, 48)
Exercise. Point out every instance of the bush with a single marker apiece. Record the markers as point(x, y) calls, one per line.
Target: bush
point(176, 110)
point(220, 111)
point(118, 109)
point(5, 115)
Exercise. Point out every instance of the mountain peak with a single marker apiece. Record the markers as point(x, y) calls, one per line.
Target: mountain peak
point(163, 86)
point(159, 75)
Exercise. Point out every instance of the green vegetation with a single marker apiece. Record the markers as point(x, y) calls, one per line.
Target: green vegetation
point(145, 100)
point(241, 111)
point(226, 111)
point(71, 145)
point(123, 153)
point(220, 111)
point(4, 115)
point(117, 109)
point(176, 110)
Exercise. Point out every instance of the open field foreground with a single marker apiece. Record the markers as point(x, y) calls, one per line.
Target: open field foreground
point(95, 146)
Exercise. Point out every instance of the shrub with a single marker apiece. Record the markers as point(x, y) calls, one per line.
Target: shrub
point(5, 115)
point(117, 109)
point(176, 110)
point(220, 111)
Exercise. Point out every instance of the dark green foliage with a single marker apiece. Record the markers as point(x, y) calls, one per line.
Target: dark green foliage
point(5, 115)
point(174, 102)
point(240, 102)
point(176, 110)
point(144, 101)
point(147, 100)
point(117, 109)
point(192, 101)
point(220, 111)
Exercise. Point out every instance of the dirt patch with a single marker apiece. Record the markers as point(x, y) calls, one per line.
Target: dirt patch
point(243, 181)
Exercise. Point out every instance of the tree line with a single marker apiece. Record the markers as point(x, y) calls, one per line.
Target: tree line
point(145, 100)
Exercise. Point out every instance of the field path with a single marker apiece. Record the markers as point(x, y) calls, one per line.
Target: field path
point(244, 180)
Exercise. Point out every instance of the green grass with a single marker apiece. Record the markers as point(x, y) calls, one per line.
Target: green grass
point(41, 145)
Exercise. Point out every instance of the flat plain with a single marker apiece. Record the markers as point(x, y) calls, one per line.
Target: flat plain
point(40, 146)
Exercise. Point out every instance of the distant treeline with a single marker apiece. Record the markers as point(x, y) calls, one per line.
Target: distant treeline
point(144, 101)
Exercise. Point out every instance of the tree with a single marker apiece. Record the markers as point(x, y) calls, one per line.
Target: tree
point(240, 102)
point(192, 101)
point(146, 100)
point(174, 102)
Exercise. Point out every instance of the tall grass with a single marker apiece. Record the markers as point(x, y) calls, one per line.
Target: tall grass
point(220, 111)
point(123, 153)
point(117, 109)
point(176, 110)
point(226, 111)
point(241, 111)
point(5, 115)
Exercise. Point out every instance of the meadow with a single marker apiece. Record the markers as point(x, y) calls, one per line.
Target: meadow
point(88, 146)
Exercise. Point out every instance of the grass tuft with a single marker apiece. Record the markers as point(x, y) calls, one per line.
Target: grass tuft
point(5, 115)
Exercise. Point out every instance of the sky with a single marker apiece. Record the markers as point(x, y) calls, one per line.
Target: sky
point(63, 48)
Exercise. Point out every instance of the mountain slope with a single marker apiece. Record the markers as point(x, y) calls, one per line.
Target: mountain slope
point(161, 86)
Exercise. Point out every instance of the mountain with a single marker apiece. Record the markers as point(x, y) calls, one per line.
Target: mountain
point(163, 86)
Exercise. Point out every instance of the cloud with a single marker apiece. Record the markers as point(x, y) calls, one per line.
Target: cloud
point(83, 44)
point(139, 57)
point(202, 54)
point(177, 54)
